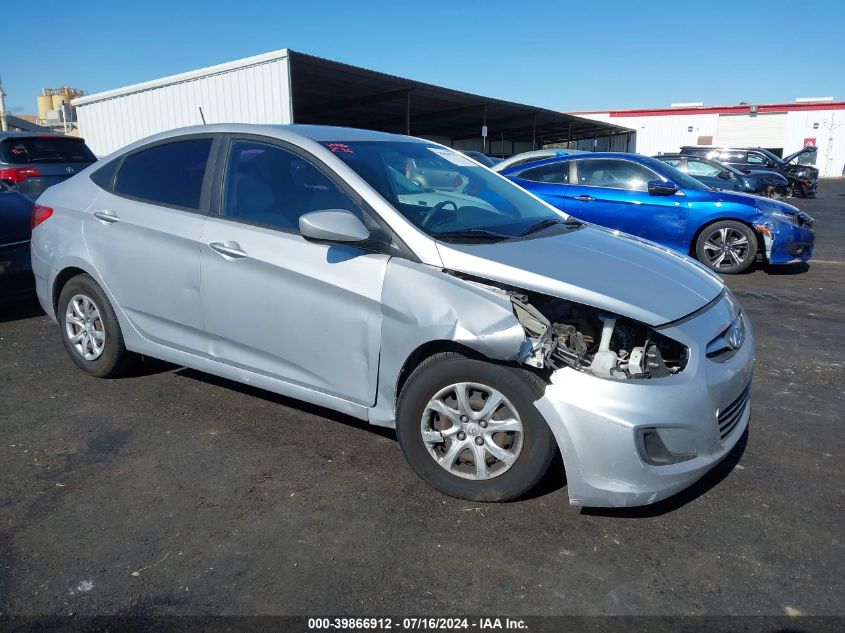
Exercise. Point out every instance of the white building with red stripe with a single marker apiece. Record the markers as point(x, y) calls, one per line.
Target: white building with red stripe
point(783, 128)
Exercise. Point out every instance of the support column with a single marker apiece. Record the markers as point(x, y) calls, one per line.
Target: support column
point(484, 128)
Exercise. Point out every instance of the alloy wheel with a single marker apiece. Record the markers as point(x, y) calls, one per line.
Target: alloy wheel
point(726, 248)
point(84, 327)
point(472, 430)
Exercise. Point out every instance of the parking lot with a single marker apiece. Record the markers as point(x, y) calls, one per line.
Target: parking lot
point(173, 492)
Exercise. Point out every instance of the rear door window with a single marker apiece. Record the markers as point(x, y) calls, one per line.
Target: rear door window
point(45, 149)
point(756, 159)
point(169, 173)
point(557, 173)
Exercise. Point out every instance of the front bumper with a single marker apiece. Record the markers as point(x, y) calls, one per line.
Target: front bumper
point(596, 421)
point(786, 243)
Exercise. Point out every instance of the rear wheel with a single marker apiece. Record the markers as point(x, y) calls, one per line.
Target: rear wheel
point(727, 247)
point(90, 330)
point(470, 428)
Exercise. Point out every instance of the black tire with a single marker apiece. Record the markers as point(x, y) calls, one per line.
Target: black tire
point(710, 237)
point(520, 387)
point(114, 358)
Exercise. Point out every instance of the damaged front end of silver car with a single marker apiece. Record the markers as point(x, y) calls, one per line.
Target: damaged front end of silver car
point(562, 333)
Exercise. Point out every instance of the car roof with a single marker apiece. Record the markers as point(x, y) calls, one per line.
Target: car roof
point(745, 149)
point(636, 158)
point(292, 132)
point(320, 133)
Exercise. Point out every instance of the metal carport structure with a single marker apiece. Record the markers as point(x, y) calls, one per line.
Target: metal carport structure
point(378, 101)
point(286, 86)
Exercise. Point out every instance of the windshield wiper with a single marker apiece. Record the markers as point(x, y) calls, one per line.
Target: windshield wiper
point(547, 222)
point(475, 234)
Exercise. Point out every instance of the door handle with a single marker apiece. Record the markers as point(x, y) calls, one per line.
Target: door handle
point(583, 198)
point(228, 249)
point(106, 217)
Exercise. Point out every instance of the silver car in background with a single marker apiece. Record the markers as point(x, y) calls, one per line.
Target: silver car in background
point(532, 156)
point(488, 328)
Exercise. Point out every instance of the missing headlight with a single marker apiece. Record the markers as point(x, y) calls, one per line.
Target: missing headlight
point(568, 334)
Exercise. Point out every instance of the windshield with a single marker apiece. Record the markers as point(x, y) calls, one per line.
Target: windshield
point(680, 178)
point(444, 193)
point(45, 149)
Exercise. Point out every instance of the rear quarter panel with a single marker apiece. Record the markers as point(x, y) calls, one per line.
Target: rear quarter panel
point(57, 243)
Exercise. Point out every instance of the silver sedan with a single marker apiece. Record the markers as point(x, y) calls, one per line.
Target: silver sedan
point(491, 330)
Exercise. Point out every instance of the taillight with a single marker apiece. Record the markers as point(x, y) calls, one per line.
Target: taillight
point(39, 214)
point(18, 174)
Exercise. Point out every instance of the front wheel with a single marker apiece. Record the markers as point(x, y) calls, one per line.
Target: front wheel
point(470, 428)
point(726, 247)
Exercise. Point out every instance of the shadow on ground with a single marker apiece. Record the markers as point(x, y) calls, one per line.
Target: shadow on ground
point(25, 307)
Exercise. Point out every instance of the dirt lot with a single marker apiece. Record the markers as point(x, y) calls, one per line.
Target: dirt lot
point(173, 492)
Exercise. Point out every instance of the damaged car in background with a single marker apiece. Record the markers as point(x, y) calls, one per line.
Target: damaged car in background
point(493, 331)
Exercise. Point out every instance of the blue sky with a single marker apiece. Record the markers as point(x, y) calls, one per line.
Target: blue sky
point(556, 54)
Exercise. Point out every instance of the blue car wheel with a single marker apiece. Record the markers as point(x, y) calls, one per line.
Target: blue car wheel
point(726, 247)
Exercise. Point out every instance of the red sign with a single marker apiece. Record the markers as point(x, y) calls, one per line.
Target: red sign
point(810, 142)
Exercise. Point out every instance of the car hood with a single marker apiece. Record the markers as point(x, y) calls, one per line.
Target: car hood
point(598, 267)
point(805, 150)
point(768, 176)
point(758, 203)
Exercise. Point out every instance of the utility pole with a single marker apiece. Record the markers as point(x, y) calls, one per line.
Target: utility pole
point(4, 124)
point(828, 152)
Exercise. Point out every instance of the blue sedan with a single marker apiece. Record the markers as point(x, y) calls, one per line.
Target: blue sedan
point(15, 267)
point(726, 231)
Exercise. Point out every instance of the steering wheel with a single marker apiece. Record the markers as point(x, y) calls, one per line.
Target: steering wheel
point(435, 210)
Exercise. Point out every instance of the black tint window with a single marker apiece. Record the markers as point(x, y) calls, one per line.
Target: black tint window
point(104, 176)
point(268, 185)
point(171, 173)
point(45, 149)
point(557, 173)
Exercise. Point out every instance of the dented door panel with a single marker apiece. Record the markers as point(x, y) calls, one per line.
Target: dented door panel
point(294, 310)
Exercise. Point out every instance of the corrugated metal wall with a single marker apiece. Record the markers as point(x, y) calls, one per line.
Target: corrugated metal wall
point(741, 130)
point(253, 93)
point(656, 134)
point(668, 133)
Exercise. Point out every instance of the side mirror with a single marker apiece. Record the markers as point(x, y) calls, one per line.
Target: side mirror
point(725, 174)
point(332, 225)
point(661, 188)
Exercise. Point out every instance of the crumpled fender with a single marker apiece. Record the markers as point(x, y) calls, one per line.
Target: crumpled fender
point(422, 304)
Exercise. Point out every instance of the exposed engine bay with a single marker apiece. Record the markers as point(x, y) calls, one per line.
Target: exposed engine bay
point(565, 333)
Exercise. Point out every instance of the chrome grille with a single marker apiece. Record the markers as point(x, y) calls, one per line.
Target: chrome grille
point(730, 416)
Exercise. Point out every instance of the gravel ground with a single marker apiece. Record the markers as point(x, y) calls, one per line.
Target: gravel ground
point(173, 492)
